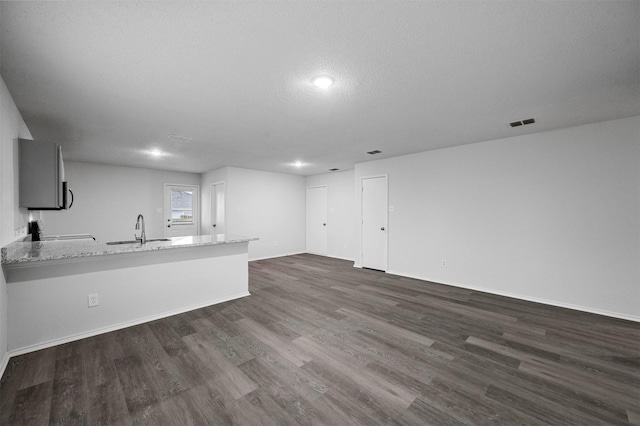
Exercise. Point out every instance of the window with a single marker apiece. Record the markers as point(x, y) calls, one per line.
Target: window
point(181, 207)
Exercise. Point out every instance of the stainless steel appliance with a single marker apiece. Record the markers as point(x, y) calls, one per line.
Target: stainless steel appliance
point(41, 176)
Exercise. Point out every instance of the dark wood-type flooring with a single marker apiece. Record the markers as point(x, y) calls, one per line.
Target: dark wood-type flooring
point(321, 342)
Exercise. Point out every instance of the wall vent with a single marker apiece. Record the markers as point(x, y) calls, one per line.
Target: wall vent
point(522, 123)
point(333, 170)
point(178, 138)
point(374, 152)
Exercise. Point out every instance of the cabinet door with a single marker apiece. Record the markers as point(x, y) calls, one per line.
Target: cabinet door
point(39, 174)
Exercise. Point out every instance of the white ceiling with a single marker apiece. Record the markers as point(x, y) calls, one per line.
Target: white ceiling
point(110, 80)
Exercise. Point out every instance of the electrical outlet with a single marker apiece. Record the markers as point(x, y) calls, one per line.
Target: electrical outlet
point(93, 300)
point(444, 263)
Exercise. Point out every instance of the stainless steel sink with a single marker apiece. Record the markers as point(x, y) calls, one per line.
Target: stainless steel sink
point(111, 243)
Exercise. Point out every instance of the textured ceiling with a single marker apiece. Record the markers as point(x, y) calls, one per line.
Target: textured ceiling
point(232, 80)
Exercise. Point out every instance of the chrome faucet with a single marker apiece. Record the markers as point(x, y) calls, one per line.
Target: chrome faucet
point(143, 236)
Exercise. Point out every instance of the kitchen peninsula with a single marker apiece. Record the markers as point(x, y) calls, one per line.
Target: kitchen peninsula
point(49, 284)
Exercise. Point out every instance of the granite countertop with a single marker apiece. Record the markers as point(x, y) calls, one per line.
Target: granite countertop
point(28, 251)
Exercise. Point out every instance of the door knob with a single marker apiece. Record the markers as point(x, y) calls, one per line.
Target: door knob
point(214, 225)
point(324, 224)
point(168, 226)
point(382, 229)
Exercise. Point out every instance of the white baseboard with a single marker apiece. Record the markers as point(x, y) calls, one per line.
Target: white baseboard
point(341, 258)
point(276, 256)
point(302, 252)
point(588, 309)
point(119, 326)
point(4, 363)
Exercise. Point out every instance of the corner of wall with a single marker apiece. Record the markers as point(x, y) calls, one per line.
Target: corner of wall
point(341, 219)
point(250, 210)
point(12, 127)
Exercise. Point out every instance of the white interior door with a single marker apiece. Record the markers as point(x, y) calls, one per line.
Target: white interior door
point(181, 217)
point(374, 223)
point(317, 220)
point(217, 209)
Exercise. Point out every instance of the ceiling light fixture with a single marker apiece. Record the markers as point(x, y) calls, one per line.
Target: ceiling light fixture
point(322, 81)
point(298, 164)
point(155, 153)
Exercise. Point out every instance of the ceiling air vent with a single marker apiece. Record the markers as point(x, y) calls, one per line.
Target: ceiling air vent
point(374, 152)
point(178, 138)
point(333, 170)
point(522, 123)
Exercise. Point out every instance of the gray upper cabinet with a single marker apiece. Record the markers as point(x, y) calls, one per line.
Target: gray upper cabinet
point(41, 174)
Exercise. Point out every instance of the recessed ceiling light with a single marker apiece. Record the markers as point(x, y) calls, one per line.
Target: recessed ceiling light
point(298, 164)
point(322, 81)
point(155, 153)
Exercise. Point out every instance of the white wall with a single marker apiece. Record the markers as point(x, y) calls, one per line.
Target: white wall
point(269, 206)
point(12, 217)
point(552, 216)
point(341, 207)
point(109, 198)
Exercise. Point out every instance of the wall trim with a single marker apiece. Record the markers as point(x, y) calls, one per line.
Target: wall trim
point(302, 252)
point(580, 308)
point(119, 326)
point(4, 363)
point(341, 258)
point(276, 256)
